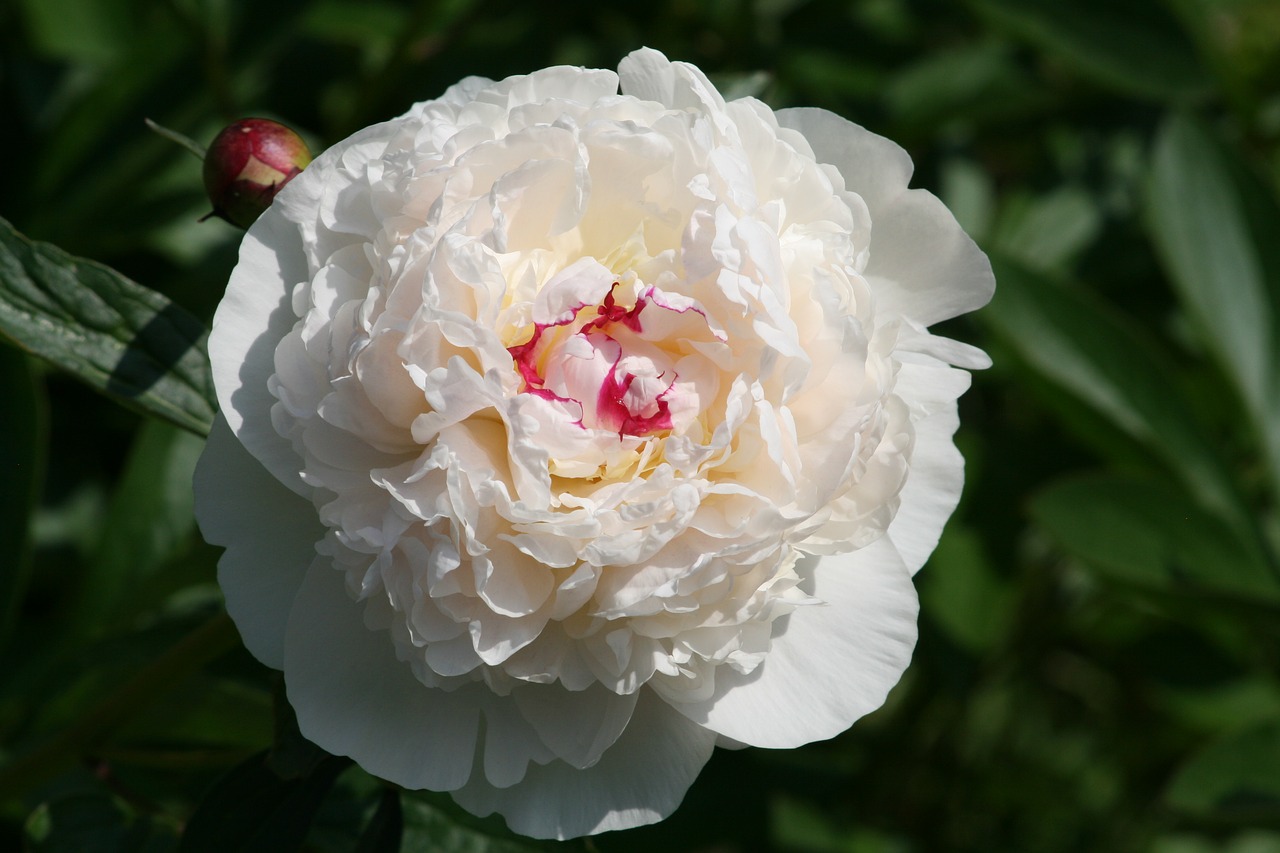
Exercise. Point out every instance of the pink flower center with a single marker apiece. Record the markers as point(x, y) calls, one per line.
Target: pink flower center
point(600, 360)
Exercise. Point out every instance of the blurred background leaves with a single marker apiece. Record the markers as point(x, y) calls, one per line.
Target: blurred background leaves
point(1099, 660)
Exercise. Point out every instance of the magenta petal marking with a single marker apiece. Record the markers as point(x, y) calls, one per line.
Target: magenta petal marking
point(611, 313)
point(612, 412)
point(653, 294)
point(524, 355)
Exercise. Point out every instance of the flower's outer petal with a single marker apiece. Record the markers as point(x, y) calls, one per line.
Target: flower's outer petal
point(254, 315)
point(933, 489)
point(829, 663)
point(510, 744)
point(639, 780)
point(354, 698)
point(876, 168)
point(924, 265)
point(577, 726)
point(270, 535)
point(647, 74)
point(566, 82)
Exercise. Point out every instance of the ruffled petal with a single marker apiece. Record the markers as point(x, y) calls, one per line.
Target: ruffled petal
point(647, 74)
point(933, 489)
point(829, 663)
point(270, 535)
point(951, 278)
point(922, 263)
point(640, 780)
point(577, 727)
point(876, 168)
point(254, 316)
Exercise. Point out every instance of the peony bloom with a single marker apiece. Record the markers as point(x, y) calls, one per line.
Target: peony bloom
point(567, 434)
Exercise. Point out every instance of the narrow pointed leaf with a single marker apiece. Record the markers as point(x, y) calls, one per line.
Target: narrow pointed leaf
point(1149, 533)
point(1094, 355)
point(1131, 46)
point(1233, 779)
point(1211, 221)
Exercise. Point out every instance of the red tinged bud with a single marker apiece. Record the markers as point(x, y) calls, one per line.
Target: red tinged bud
point(247, 164)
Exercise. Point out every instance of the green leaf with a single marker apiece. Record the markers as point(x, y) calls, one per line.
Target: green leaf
point(1232, 779)
point(217, 715)
point(22, 454)
point(1046, 232)
point(1133, 46)
point(970, 84)
point(148, 523)
point(385, 830)
point(1149, 533)
point(93, 823)
point(109, 691)
point(1216, 708)
point(1248, 841)
point(802, 826)
point(1211, 221)
point(93, 31)
point(371, 27)
point(123, 339)
point(252, 810)
point(433, 822)
point(969, 193)
point(1093, 354)
point(962, 593)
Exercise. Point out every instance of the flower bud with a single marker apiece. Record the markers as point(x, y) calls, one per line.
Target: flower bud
point(247, 164)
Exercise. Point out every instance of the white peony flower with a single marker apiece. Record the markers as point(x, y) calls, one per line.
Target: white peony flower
point(567, 434)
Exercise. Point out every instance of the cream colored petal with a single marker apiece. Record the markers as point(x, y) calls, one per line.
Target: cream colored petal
point(828, 663)
point(253, 317)
point(270, 535)
point(927, 268)
point(639, 780)
point(353, 697)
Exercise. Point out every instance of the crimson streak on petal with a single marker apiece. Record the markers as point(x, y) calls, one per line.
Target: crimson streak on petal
point(618, 408)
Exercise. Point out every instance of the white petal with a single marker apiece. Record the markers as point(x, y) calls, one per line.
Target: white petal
point(916, 340)
point(874, 167)
point(354, 698)
point(270, 535)
point(254, 315)
point(583, 282)
point(570, 83)
point(647, 74)
point(928, 267)
point(922, 265)
point(828, 664)
point(510, 744)
point(320, 201)
point(640, 780)
point(933, 486)
point(577, 727)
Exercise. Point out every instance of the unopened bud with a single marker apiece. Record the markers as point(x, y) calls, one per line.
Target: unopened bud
point(247, 164)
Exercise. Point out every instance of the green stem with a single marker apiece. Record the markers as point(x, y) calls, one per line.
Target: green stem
point(204, 644)
point(173, 136)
